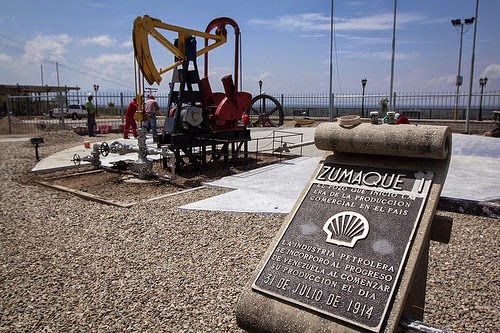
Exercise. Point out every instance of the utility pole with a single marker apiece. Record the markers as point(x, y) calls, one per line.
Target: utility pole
point(391, 99)
point(60, 99)
point(57, 73)
point(41, 72)
point(330, 100)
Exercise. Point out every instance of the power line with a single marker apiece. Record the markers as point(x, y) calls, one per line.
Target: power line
point(95, 76)
point(99, 74)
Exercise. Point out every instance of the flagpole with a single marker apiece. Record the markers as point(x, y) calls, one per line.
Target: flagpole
point(330, 100)
point(391, 99)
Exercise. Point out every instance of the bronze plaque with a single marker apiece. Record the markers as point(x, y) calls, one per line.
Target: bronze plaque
point(343, 250)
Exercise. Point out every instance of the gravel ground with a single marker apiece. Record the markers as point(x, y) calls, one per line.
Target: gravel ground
point(72, 265)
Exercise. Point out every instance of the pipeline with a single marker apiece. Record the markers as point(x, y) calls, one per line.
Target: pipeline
point(286, 148)
point(142, 166)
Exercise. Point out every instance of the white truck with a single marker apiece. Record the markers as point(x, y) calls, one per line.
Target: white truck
point(73, 111)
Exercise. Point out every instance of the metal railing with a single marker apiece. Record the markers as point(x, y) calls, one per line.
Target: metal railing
point(429, 105)
point(37, 113)
point(29, 114)
point(268, 144)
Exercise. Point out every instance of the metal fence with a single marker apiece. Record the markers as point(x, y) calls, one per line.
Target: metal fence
point(31, 114)
point(415, 105)
point(37, 113)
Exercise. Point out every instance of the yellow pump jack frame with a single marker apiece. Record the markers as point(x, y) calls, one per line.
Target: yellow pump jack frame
point(146, 25)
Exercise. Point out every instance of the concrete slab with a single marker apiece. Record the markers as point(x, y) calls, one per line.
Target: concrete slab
point(474, 168)
point(473, 175)
point(271, 189)
point(64, 159)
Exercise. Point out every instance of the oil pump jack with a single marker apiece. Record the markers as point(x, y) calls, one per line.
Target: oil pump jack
point(198, 118)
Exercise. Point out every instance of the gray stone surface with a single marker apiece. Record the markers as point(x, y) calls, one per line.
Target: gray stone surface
point(422, 141)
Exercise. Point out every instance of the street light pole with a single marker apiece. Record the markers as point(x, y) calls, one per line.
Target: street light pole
point(96, 88)
point(260, 93)
point(459, 80)
point(363, 84)
point(482, 83)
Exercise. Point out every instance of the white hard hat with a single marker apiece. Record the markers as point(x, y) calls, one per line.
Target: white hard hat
point(90, 95)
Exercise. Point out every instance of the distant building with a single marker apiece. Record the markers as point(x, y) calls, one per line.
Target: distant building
point(39, 104)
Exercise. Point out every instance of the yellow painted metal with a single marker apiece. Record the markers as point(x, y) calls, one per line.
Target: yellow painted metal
point(139, 114)
point(145, 26)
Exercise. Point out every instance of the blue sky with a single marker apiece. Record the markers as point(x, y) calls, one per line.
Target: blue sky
point(285, 43)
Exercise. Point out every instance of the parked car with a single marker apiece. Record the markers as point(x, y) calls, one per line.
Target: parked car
point(74, 111)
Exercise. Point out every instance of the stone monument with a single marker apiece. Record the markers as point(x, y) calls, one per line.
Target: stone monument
point(352, 254)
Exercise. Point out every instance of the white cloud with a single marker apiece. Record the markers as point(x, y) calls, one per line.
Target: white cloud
point(369, 40)
point(446, 80)
point(215, 73)
point(380, 55)
point(116, 67)
point(320, 22)
point(312, 36)
point(4, 58)
point(127, 45)
point(491, 72)
point(107, 59)
point(301, 22)
point(46, 48)
point(377, 22)
point(266, 75)
point(103, 40)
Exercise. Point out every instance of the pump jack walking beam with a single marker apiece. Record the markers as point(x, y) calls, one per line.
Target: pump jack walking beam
point(146, 25)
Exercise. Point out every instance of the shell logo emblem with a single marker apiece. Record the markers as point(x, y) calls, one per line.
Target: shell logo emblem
point(346, 228)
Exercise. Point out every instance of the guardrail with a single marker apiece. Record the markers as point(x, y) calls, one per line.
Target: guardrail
point(278, 138)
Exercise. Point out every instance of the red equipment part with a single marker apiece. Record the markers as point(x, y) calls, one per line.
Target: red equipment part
point(231, 104)
point(220, 23)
